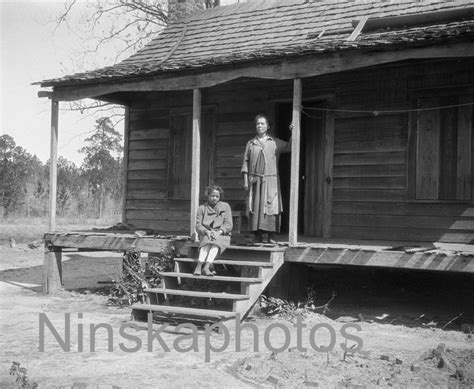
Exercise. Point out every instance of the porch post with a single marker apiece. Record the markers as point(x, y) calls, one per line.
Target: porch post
point(195, 161)
point(125, 163)
point(53, 162)
point(295, 163)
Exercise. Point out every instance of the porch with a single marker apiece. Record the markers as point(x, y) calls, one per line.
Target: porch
point(435, 256)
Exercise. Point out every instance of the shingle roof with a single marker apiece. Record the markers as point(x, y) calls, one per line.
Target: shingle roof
point(269, 29)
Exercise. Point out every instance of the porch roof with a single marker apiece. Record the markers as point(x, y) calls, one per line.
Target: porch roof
point(275, 29)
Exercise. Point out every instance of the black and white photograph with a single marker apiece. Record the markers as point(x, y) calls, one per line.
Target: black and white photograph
point(237, 194)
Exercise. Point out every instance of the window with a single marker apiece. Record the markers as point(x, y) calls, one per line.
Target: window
point(181, 129)
point(441, 149)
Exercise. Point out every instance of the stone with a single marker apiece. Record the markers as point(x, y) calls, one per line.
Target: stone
point(415, 368)
point(273, 380)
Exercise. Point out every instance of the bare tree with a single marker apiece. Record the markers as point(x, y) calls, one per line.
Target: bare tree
point(109, 32)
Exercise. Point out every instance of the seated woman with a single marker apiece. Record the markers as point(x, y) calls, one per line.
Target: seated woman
point(214, 226)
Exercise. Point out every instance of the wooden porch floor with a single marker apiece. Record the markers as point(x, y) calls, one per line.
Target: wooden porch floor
point(434, 256)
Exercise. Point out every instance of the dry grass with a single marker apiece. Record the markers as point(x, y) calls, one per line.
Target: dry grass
point(25, 230)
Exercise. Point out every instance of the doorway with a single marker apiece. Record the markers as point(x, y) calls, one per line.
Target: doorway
point(311, 180)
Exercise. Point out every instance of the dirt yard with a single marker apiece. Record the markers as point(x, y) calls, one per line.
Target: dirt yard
point(400, 337)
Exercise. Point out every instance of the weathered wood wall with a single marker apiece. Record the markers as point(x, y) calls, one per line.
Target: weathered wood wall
point(373, 151)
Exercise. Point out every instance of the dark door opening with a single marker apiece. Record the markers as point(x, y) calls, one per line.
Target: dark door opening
point(311, 180)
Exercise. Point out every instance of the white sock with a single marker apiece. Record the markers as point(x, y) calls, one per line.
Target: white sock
point(203, 253)
point(213, 251)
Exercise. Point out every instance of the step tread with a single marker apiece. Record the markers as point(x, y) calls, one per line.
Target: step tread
point(196, 293)
point(252, 248)
point(229, 262)
point(184, 310)
point(215, 278)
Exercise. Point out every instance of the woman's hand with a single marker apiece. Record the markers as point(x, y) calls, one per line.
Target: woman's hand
point(246, 182)
point(291, 126)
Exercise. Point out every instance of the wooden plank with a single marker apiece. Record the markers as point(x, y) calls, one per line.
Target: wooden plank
point(448, 149)
point(370, 182)
point(411, 151)
point(386, 259)
point(153, 144)
point(367, 194)
point(162, 227)
point(395, 170)
point(404, 221)
point(52, 271)
point(358, 29)
point(158, 174)
point(146, 112)
point(196, 161)
point(53, 165)
point(303, 66)
point(171, 205)
point(241, 128)
point(427, 161)
point(229, 262)
point(403, 234)
point(148, 184)
point(232, 140)
point(370, 158)
point(111, 241)
point(215, 278)
point(295, 162)
point(464, 161)
point(404, 208)
point(149, 123)
point(328, 174)
point(126, 130)
point(229, 172)
point(147, 164)
point(231, 150)
point(157, 214)
point(180, 164)
point(148, 154)
point(176, 311)
point(313, 202)
point(146, 194)
point(195, 293)
point(152, 133)
point(234, 161)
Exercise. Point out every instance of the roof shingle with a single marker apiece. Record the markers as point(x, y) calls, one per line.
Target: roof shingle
point(267, 29)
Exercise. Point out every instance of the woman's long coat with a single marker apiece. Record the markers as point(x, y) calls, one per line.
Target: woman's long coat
point(272, 148)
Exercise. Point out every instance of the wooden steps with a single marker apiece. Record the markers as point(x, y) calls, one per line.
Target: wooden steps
point(228, 262)
point(193, 293)
point(214, 278)
point(195, 312)
point(185, 297)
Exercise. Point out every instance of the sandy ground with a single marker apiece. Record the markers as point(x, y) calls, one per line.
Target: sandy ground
point(390, 354)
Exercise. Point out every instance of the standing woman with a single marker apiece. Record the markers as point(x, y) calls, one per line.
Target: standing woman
point(261, 181)
point(214, 226)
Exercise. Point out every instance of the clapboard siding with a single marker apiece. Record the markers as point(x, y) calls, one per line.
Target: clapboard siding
point(231, 138)
point(148, 153)
point(370, 178)
point(370, 160)
point(404, 234)
point(455, 211)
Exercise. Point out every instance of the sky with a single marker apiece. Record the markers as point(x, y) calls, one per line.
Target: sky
point(32, 52)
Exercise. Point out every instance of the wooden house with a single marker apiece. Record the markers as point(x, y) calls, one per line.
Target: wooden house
point(381, 97)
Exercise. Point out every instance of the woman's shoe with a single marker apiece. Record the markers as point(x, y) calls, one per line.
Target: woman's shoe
point(271, 239)
point(207, 271)
point(257, 238)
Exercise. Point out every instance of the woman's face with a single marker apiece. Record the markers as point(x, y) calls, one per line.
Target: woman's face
point(213, 197)
point(261, 126)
